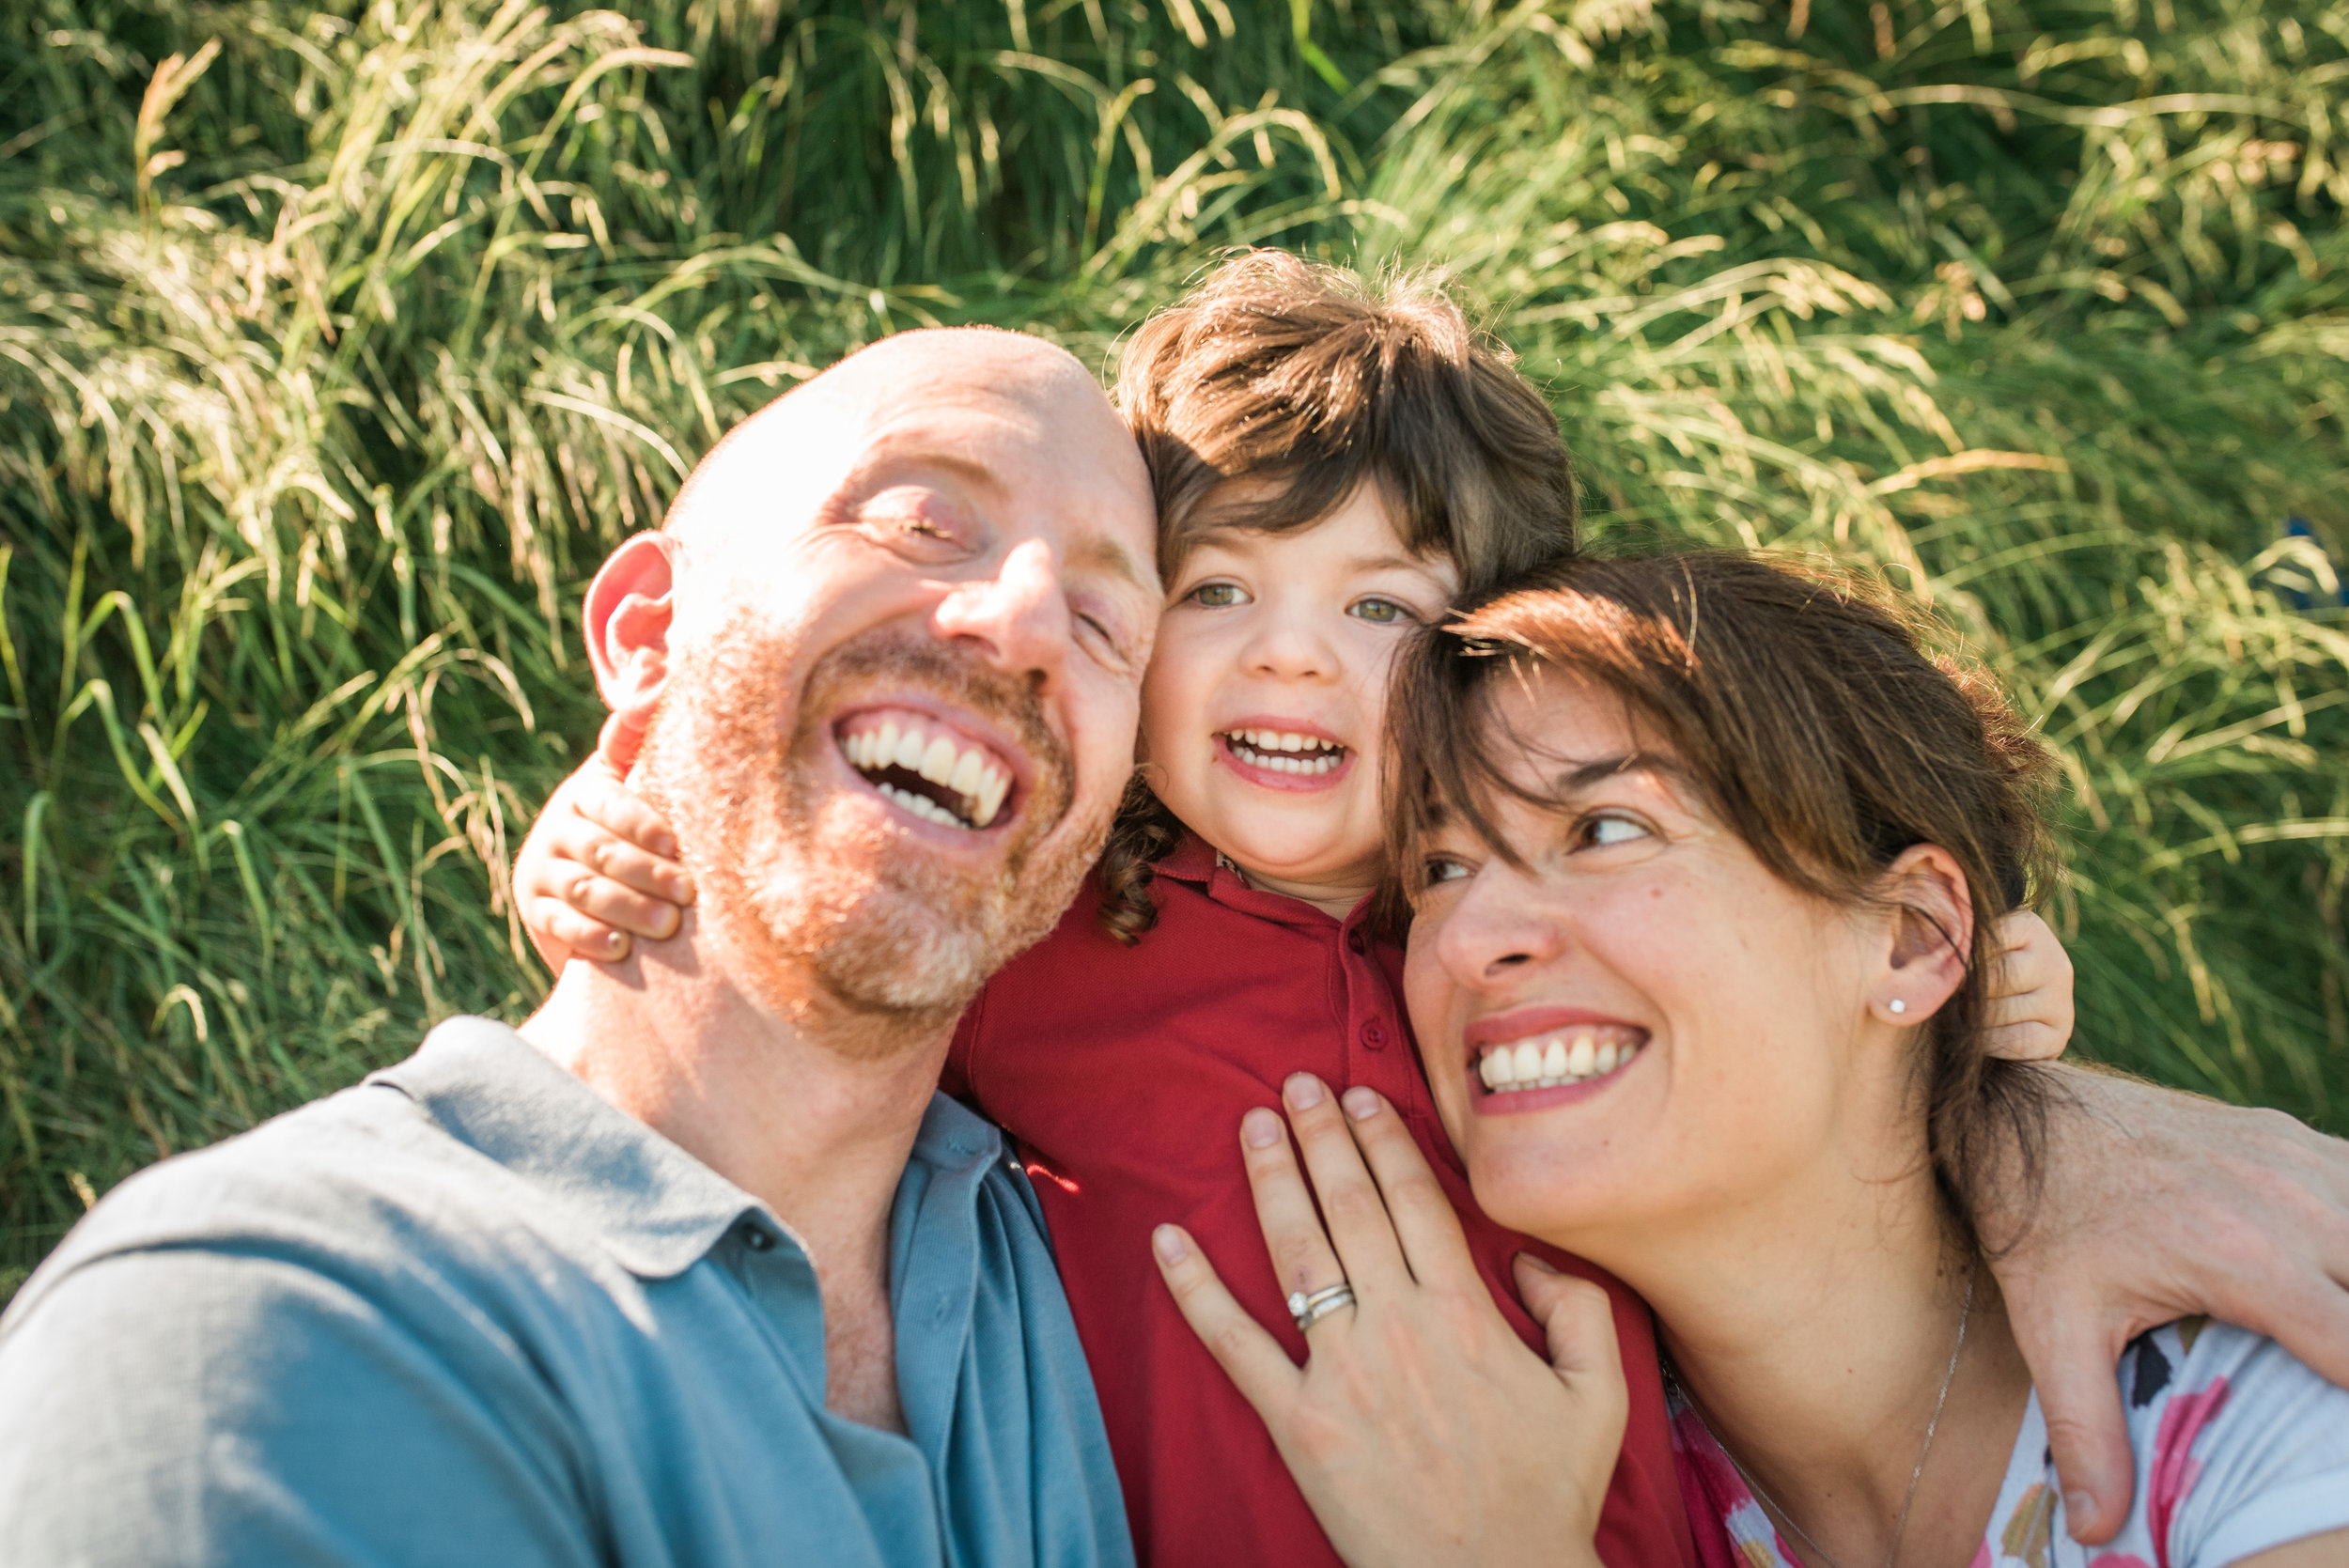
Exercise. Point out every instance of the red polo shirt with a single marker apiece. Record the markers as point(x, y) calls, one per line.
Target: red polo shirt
point(1123, 1073)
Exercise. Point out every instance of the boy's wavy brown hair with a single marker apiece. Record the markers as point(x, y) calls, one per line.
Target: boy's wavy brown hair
point(1804, 705)
point(1272, 391)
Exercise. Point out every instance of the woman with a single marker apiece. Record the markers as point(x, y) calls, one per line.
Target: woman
point(1702, 854)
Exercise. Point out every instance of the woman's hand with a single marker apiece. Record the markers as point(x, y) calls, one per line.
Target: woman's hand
point(2159, 1205)
point(598, 866)
point(1421, 1429)
point(2030, 991)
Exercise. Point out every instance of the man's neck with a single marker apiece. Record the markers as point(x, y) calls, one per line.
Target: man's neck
point(760, 1093)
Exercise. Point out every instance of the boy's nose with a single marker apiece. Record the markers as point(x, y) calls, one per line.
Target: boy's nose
point(1019, 616)
point(1285, 649)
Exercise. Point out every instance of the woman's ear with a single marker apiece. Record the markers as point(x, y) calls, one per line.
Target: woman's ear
point(1932, 935)
point(630, 610)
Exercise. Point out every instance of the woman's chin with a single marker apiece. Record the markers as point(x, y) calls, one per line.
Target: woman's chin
point(1556, 1199)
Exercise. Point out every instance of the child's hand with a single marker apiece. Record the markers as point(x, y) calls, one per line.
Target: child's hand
point(599, 865)
point(2031, 994)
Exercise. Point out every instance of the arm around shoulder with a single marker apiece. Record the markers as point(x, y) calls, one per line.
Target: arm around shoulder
point(2157, 1205)
point(223, 1405)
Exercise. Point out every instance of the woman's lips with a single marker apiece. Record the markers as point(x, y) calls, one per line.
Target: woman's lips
point(1536, 1058)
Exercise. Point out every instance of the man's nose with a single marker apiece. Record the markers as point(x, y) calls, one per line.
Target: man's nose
point(1497, 931)
point(1018, 617)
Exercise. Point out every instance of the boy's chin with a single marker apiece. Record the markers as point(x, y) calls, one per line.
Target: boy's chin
point(1295, 856)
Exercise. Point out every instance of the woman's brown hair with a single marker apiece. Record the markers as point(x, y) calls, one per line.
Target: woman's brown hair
point(1803, 704)
point(1306, 383)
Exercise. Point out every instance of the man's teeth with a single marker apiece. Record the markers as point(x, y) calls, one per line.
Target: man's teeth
point(1278, 751)
point(1546, 1060)
point(935, 755)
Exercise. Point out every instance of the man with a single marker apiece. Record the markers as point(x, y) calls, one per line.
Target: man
point(697, 1267)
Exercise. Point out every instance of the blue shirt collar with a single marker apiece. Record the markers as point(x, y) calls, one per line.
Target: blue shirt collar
point(658, 1208)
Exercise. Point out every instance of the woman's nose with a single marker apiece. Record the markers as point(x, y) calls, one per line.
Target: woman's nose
point(1019, 616)
point(1496, 931)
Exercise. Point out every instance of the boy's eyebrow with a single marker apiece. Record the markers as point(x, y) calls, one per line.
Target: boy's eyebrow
point(1391, 562)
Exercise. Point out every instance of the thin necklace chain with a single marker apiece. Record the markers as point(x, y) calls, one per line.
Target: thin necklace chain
point(1908, 1500)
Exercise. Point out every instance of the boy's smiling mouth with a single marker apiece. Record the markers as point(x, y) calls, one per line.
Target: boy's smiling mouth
point(1283, 754)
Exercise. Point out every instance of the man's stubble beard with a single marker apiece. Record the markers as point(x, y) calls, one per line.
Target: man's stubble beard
point(843, 921)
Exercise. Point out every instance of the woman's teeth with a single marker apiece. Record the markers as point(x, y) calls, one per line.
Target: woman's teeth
point(1280, 751)
point(1566, 1056)
point(972, 783)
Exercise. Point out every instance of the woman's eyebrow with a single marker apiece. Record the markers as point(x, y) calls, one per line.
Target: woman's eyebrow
point(1581, 776)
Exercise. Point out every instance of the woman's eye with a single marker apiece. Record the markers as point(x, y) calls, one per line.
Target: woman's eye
point(1598, 832)
point(1216, 596)
point(1443, 868)
point(1385, 612)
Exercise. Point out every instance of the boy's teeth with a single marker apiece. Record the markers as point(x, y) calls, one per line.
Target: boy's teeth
point(1547, 1060)
point(972, 775)
point(1281, 751)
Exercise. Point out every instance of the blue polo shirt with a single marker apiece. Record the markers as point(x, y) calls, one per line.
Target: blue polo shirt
point(468, 1312)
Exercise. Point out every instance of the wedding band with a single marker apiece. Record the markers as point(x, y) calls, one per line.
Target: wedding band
point(1310, 1309)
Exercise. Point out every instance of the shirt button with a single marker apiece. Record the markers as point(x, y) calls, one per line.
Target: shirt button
point(756, 1238)
point(1373, 1035)
point(1354, 941)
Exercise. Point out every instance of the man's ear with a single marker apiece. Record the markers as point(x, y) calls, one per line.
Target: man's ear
point(630, 608)
point(1932, 931)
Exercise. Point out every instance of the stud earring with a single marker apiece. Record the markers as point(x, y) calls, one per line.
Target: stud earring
point(1897, 1006)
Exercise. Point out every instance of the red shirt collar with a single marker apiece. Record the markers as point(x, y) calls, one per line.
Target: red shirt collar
point(1197, 861)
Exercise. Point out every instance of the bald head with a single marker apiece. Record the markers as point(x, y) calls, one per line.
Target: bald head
point(948, 536)
point(801, 444)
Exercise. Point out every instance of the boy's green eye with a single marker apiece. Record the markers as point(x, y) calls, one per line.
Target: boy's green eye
point(1385, 612)
point(1215, 595)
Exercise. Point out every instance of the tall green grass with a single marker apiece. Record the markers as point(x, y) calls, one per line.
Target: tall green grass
point(337, 346)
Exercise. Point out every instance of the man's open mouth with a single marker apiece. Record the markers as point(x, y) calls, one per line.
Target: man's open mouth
point(1574, 1054)
point(920, 765)
point(1284, 752)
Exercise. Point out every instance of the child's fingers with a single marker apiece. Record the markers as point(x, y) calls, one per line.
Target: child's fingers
point(607, 803)
point(1251, 1358)
point(571, 933)
point(2022, 929)
point(2030, 1009)
point(616, 904)
point(643, 873)
point(1303, 1259)
point(617, 745)
point(2022, 1039)
point(1424, 1220)
point(576, 846)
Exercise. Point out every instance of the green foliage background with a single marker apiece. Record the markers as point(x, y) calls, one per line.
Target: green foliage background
point(337, 344)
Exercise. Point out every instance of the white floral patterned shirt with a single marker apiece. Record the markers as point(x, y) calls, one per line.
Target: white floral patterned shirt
point(2239, 1448)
